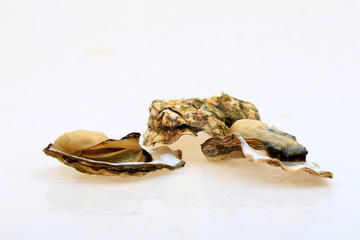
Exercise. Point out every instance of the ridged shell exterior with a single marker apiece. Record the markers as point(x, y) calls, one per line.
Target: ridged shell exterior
point(169, 119)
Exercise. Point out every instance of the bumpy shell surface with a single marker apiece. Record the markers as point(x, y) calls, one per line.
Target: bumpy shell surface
point(169, 119)
point(91, 154)
point(234, 146)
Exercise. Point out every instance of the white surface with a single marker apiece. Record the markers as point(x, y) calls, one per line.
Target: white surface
point(67, 65)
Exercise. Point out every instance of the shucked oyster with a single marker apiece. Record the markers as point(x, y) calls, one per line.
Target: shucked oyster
point(258, 142)
point(277, 144)
point(94, 153)
point(172, 118)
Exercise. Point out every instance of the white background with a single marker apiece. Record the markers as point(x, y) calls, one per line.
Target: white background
point(97, 65)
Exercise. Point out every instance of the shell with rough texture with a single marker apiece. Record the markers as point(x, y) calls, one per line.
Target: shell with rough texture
point(169, 119)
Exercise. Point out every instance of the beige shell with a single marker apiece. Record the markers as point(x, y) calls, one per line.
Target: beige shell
point(94, 153)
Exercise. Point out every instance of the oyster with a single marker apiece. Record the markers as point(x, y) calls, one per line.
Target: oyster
point(258, 142)
point(94, 153)
point(277, 144)
point(169, 119)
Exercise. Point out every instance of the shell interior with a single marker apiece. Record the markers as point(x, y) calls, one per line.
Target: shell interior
point(115, 157)
point(276, 143)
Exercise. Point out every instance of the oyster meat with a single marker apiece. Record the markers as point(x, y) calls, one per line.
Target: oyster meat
point(94, 153)
point(258, 142)
point(169, 119)
point(277, 144)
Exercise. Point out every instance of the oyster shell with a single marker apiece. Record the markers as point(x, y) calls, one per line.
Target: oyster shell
point(169, 119)
point(277, 144)
point(258, 142)
point(94, 153)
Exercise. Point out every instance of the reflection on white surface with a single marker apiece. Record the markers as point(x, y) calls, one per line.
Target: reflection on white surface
point(202, 194)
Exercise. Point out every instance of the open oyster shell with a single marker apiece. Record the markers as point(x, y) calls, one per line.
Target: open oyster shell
point(275, 143)
point(169, 119)
point(260, 143)
point(94, 153)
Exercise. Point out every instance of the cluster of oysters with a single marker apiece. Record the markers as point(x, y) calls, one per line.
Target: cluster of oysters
point(234, 127)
